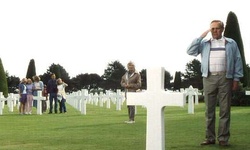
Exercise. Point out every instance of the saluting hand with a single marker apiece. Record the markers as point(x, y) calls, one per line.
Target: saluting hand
point(205, 33)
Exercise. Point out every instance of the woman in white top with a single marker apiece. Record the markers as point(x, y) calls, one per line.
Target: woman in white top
point(61, 95)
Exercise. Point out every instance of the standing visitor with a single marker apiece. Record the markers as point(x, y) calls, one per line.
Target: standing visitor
point(23, 96)
point(30, 88)
point(44, 102)
point(221, 67)
point(61, 95)
point(52, 90)
point(131, 81)
point(38, 87)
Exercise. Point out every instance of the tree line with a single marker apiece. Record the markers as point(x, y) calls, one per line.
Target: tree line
point(110, 80)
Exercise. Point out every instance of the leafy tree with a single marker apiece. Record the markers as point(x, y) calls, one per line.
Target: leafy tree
point(81, 81)
point(86, 81)
point(177, 81)
point(95, 81)
point(167, 79)
point(193, 75)
point(248, 72)
point(56, 69)
point(13, 82)
point(31, 69)
point(232, 30)
point(45, 77)
point(112, 76)
point(143, 74)
point(60, 72)
point(3, 80)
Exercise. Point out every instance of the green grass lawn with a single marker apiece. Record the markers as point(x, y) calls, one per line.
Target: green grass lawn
point(104, 129)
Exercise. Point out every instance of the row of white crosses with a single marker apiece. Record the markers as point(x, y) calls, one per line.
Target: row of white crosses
point(79, 99)
point(13, 101)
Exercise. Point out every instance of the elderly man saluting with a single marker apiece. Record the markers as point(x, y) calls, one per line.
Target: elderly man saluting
point(221, 67)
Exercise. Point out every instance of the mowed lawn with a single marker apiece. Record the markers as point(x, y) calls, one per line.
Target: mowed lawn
point(104, 129)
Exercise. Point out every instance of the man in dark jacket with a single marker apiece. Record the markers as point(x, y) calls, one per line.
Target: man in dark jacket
point(52, 90)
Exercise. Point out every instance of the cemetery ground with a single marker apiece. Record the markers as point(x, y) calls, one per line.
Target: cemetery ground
point(104, 129)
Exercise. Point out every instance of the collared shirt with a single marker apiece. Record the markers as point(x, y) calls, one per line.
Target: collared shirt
point(217, 59)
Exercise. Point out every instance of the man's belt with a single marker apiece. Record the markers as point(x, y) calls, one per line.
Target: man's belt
point(219, 73)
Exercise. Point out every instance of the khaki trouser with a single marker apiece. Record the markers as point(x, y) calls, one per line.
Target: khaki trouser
point(217, 89)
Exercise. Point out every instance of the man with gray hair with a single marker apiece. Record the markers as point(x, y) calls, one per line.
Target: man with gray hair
point(221, 67)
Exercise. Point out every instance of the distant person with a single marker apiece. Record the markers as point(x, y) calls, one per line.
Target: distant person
point(38, 87)
point(23, 95)
point(131, 81)
point(52, 90)
point(61, 95)
point(221, 68)
point(44, 102)
point(30, 88)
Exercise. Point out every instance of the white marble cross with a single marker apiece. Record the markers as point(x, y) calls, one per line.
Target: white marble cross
point(11, 99)
point(155, 98)
point(118, 96)
point(107, 99)
point(39, 98)
point(85, 98)
point(2, 102)
point(247, 92)
point(192, 93)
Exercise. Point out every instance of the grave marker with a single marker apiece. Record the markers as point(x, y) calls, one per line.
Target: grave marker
point(11, 99)
point(85, 98)
point(39, 99)
point(2, 101)
point(192, 94)
point(118, 95)
point(155, 98)
point(107, 97)
point(247, 92)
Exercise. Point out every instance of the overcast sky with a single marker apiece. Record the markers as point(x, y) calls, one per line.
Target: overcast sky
point(84, 36)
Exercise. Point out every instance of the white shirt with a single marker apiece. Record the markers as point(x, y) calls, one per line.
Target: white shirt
point(217, 61)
